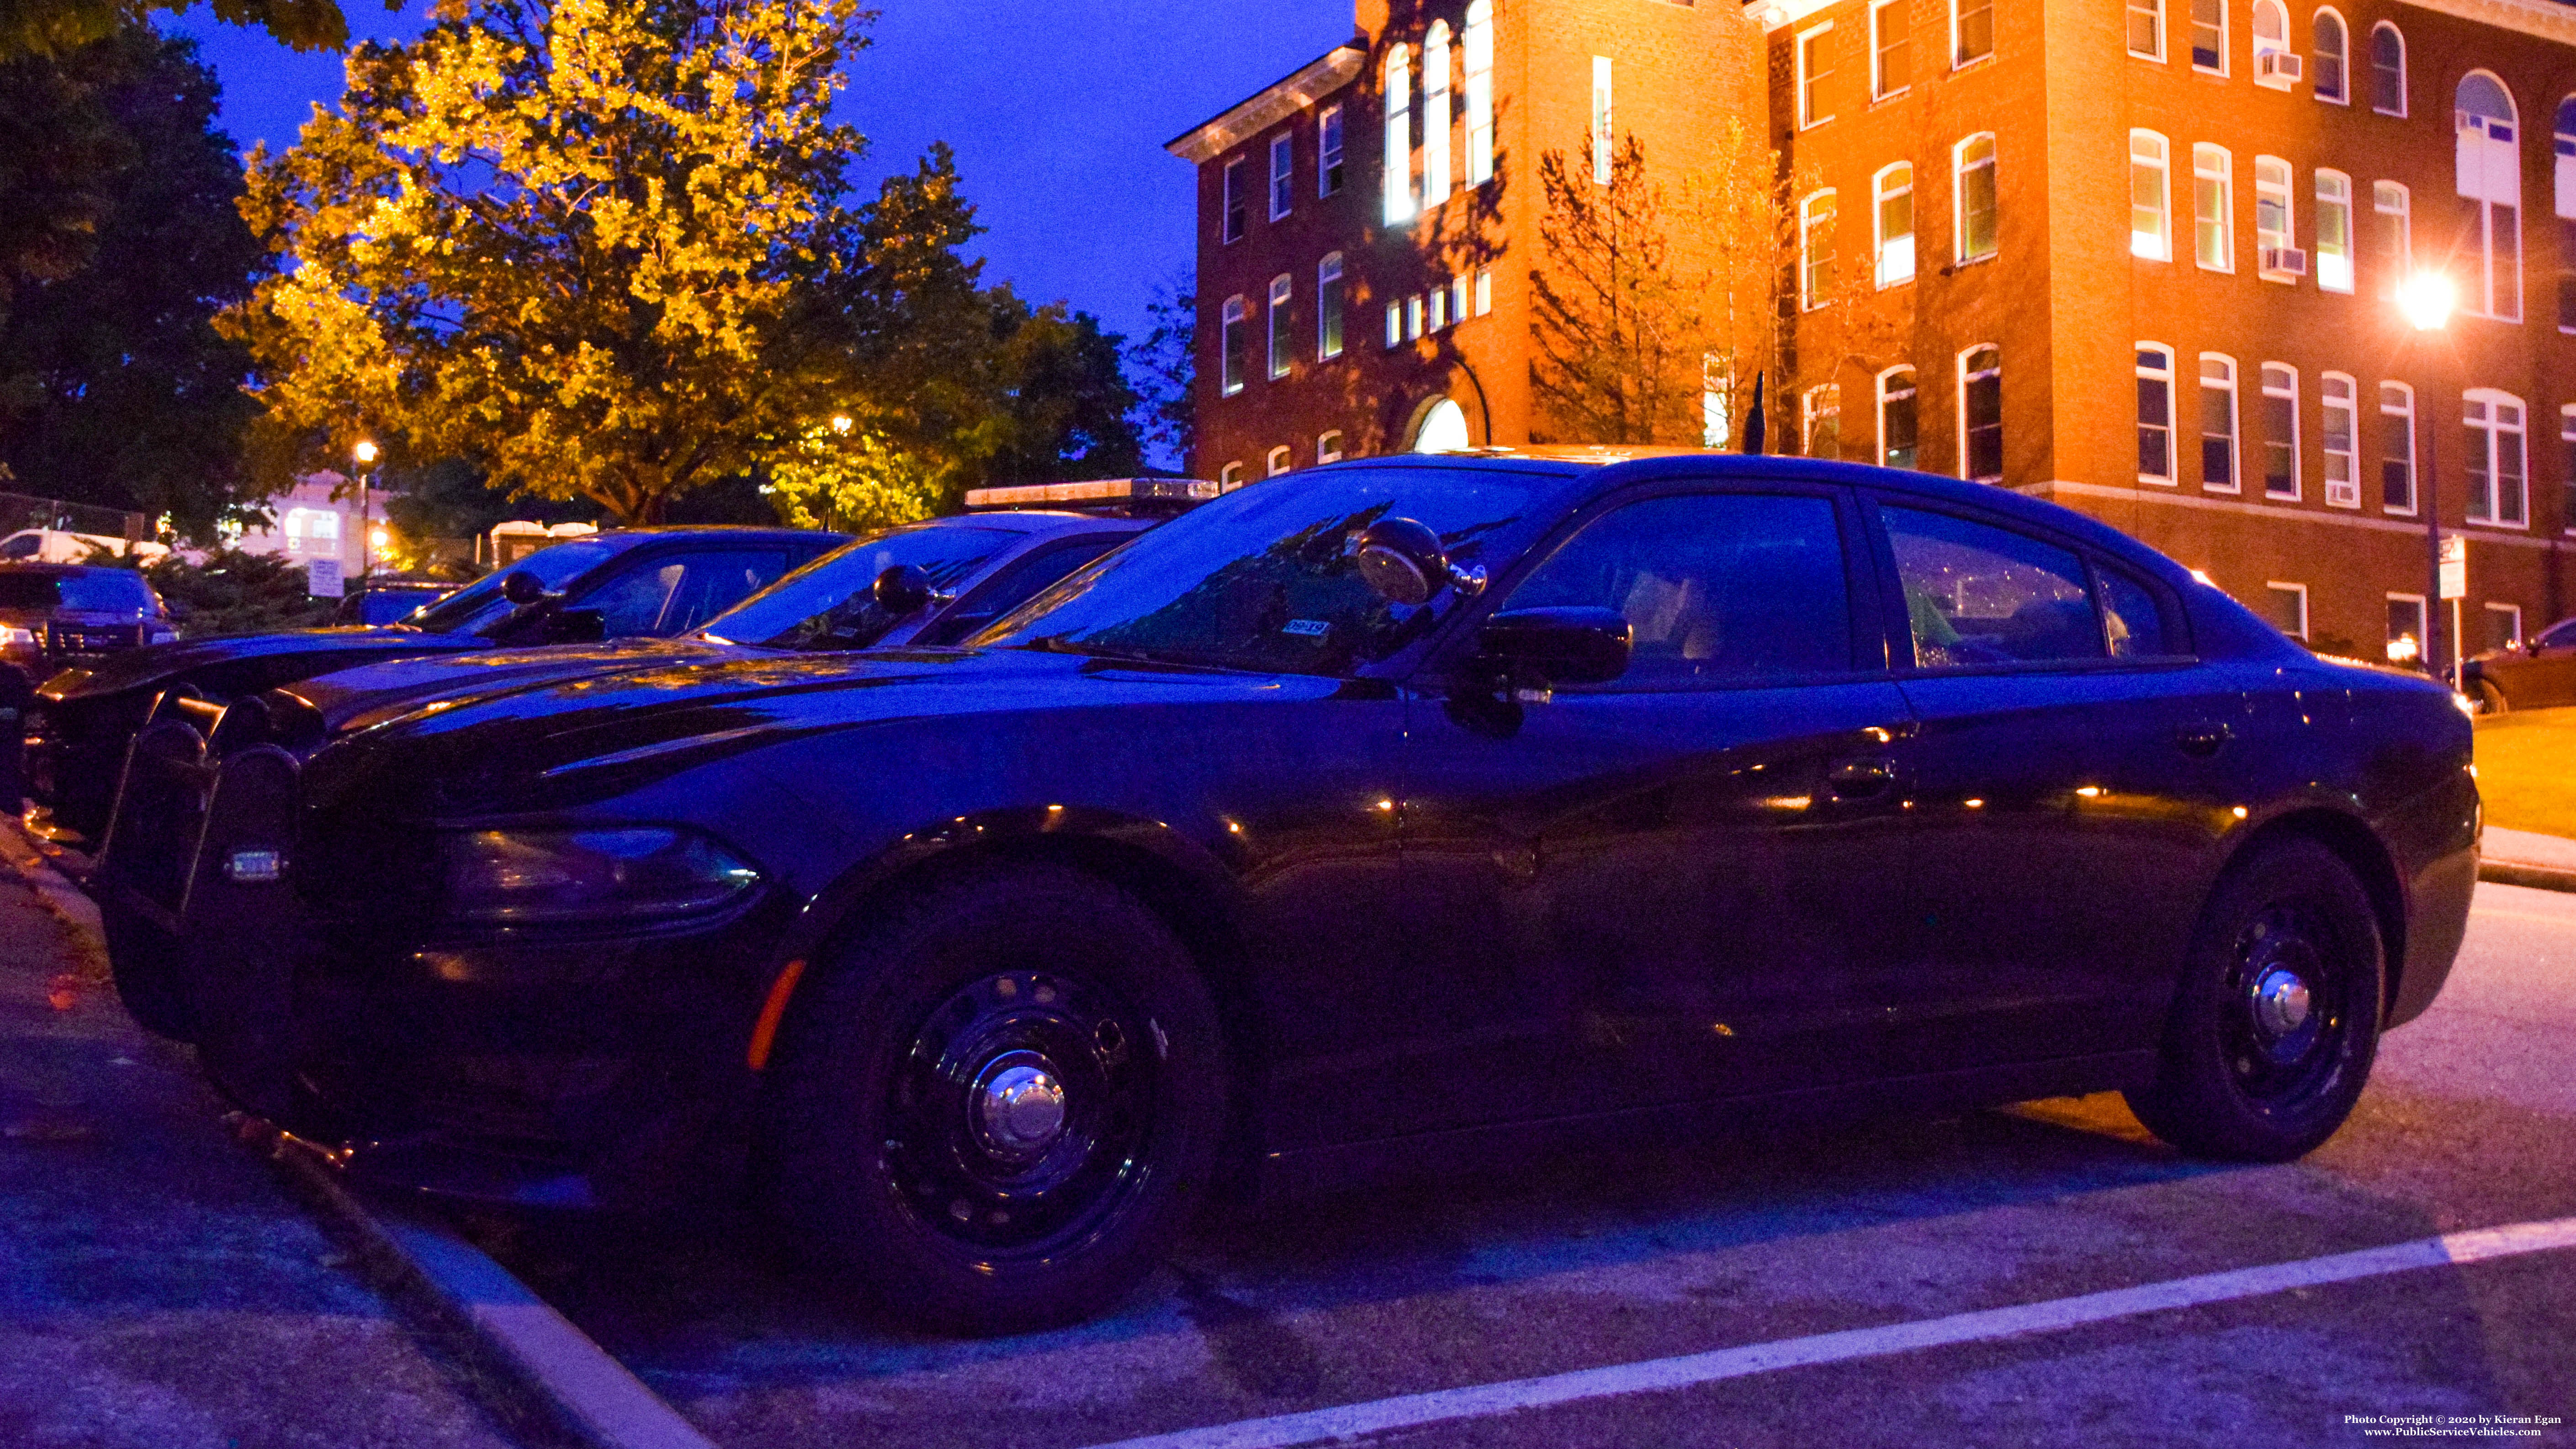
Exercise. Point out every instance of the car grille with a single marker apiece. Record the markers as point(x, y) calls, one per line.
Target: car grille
point(75, 639)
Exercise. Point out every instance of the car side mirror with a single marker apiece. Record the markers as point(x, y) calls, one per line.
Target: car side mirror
point(1401, 559)
point(1566, 645)
point(577, 626)
point(903, 590)
point(522, 588)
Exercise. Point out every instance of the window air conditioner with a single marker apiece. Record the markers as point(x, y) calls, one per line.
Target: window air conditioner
point(2284, 261)
point(2279, 68)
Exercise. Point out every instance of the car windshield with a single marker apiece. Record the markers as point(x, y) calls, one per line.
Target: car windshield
point(828, 604)
point(1261, 579)
point(104, 592)
point(480, 605)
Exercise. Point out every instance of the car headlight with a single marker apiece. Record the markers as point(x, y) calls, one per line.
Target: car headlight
point(511, 877)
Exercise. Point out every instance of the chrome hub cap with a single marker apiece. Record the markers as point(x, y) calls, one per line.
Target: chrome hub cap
point(1019, 1107)
point(2280, 1002)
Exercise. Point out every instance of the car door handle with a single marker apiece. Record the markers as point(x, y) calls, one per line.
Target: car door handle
point(1862, 778)
point(2202, 738)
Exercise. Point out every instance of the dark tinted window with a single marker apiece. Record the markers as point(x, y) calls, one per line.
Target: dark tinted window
point(1977, 594)
point(1262, 577)
point(2560, 636)
point(1015, 586)
point(672, 593)
point(2136, 625)
point(717, 582)
point(828, 604)
point(29, 591)
point(1714, 586)
point(112, 591)
point(480, 605)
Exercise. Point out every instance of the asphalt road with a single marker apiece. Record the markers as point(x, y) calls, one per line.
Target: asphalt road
point(2470, 1123)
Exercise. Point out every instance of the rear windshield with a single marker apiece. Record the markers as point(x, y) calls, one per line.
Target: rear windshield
point(103, 592)
point(829, 604)
point(481, 606)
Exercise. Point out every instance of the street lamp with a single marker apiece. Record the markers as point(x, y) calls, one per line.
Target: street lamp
point(364, 454)
point(2425, 299)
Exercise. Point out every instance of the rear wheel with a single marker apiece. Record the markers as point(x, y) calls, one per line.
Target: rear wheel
point(2277, 1021)
point(2491, 699)
point(998, 1110)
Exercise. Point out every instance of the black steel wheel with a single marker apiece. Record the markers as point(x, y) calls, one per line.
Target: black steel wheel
point(999, 1108)
point(2276, 1021)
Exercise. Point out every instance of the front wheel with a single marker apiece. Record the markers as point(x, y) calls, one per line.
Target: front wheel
point(2277, 1020)
point(998, 1109)
point(2491, 700)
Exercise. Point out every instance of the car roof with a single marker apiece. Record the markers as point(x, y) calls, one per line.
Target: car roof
point(18, 567)
point(1039, 521)
point(728, 532)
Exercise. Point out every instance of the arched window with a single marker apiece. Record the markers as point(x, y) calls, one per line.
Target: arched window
point(1821, 413)
point(2334, 59)
point(2338, 398)
point(1981, 414)
point(2155, 413)
point(1480, 92)
point(2150, 197)
point(2218, 423)
point(1234, 338)
point(2563, 195)
point(1229, 478)
point(2213, 191)
point(1897, 423)
point(1398, 91)
point(2397, 448)
point(1435, 114)
point(2271, 27)
point(1328, 307)
point(1973, 198)
point(2280, 419)
point(2499, 481)
point(2387, 70)
point(2334, 231)
point(1443, 428)
point(1816, 250)
point(1893, 190)
point(1328, 447)
point(1281, 338)
point(2489, 173)
point(2390, 202)
point(1277, 463)
point(2276, 243)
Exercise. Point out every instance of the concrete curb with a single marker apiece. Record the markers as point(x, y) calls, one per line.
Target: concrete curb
point(2539, 877)
point(59, 896)
point(511, 1336)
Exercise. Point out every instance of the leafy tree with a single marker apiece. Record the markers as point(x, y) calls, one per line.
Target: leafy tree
point(1164, 367)
point(1621, 336)
point(119, 239)
point(45, 28)
point(1064, 409)
point(598, 250)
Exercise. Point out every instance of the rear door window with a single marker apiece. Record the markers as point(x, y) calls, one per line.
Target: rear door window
point(1016, 585)
point(1976, 594)
point(2131, 616)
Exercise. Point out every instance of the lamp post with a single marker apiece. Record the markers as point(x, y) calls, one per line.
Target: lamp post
point(2426, 299)
point(364, 455)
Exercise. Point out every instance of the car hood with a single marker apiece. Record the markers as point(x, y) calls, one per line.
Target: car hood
point(160, 663)
point(376, 693)
point(570, 741)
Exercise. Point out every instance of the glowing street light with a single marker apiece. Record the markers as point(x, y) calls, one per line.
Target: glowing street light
point(842, 423)
point(2425, 300)
point(364, 453)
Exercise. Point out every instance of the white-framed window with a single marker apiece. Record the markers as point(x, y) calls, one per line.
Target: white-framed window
point(1972, 31)
point(2209, 36)
point(1398, 90)
point(2150, 197)
point(2390, 203)
point(2504, 625)
point(2218, 471)
point(2332, 82)
point(2280, 431)
point(2277, 257)
point(1395, 324)
point(2499, 482)
point(2397, 449)
point(1413, 306)
point(1280, 326)
point(1233, 336)
point(1973, 197)
point(1820, 411)
point(2270, 23)
point(2286, 605)
point(1435, 114)
point(1328, 307)
point(1981, 414)
point(2489, 167)
point(2338, 396)
point(1891, 47)
point(2567, 468)
point(1277, 463)
point(2334, 231)
point(1458, 299)
point(1229, 477)
point(1328, 151)
point(1813, 69)
point(2213, 202)
point(1439, 300)
point(1480, 92)
point(1238, 204)
point(1484, 290)
point(2147, 29)
point(2405, 628)
point(2155, 413)
point(1328, 447)
point(1816, 250)
point(1898, 426)
point(2562, 188)
point(1892, 220)
point(1604, 121)
point(2387, 69)
point(1283, 174)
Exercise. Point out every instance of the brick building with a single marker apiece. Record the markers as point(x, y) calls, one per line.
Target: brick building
point(2138, 256)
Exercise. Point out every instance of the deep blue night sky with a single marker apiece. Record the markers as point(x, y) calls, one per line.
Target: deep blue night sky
point(1058, 114)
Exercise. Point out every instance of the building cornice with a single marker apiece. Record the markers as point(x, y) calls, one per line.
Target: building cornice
point(1273, 104)
point(2542, 19)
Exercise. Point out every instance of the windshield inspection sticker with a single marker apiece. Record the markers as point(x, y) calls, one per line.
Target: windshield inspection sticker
point(1311, 628)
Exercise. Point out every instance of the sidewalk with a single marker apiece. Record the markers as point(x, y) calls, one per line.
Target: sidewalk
point(2527, 858)
point(157, 1288)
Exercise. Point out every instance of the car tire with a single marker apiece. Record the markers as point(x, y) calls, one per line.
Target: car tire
point(997, 1109)
point(2276, 1021)
point(145, 964)
point(2491, 700)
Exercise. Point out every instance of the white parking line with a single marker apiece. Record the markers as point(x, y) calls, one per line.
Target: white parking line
point(1485, 1401)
